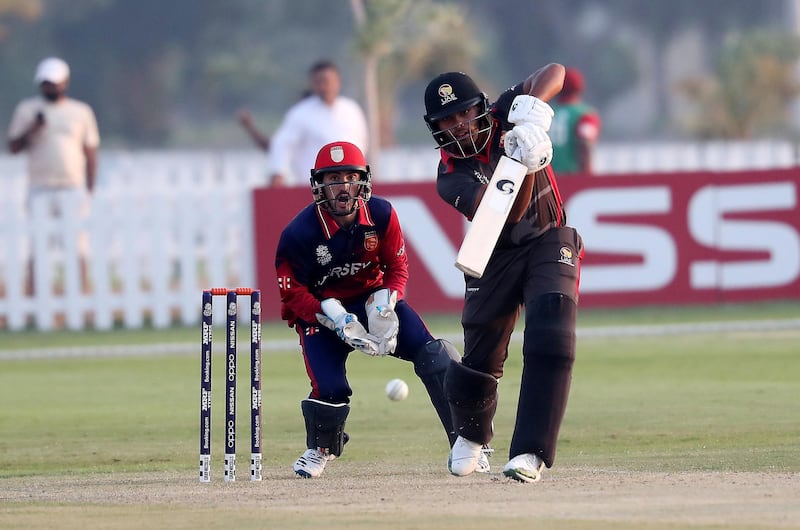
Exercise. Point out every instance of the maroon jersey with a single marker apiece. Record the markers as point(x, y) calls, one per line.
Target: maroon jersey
point(460, 179)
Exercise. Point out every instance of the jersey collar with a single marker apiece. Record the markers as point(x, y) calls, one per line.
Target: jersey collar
point(328, 222)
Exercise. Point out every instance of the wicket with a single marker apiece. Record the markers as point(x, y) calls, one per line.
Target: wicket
point(230, 382)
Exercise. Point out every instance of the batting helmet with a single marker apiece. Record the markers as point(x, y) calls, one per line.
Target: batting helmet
point(448, 94)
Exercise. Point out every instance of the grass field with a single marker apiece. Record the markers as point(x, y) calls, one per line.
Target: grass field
point(673, 410)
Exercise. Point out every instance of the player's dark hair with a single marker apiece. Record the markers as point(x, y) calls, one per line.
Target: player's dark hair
point(322, 64)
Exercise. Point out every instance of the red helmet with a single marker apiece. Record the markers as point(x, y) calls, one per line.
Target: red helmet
point(340, 156)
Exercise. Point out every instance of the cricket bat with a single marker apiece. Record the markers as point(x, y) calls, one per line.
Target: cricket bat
point(491, 216)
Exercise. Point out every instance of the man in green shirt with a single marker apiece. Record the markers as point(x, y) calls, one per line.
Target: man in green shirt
point(575, 127)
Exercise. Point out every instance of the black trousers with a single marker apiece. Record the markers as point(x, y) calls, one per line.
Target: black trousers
point(543, 277)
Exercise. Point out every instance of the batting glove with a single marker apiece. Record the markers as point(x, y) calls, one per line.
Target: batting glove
point(347, 327)
point(382, 320)
point(529, 144)
point(530, 109)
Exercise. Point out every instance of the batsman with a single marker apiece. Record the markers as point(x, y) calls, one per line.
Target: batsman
point(342, 271)
point(534, 266)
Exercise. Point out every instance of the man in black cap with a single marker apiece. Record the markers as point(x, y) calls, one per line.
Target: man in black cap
point(535, 265)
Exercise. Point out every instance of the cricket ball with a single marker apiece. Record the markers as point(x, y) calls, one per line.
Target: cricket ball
point(396, 390)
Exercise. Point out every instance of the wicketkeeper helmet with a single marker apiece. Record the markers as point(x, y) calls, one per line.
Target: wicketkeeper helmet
point(340, 156)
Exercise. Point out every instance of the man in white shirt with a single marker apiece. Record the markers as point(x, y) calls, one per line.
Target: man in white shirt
point(59, 133)
point(319, 119)
point(61, 138)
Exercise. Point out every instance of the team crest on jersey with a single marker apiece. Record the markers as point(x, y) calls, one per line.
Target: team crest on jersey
point(446, 93)
point(323, 255)
point(565, 256)
point(371, 241)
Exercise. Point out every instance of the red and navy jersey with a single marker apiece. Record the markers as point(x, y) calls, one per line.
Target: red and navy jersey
point(316, 259)
point(460, 179)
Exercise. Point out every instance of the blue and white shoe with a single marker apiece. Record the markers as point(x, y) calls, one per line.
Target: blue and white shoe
point(311, 464)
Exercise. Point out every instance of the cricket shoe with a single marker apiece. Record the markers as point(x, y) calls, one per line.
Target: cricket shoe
point(526, 467)
point(483, 460)
point(464, 457)
point(311, 464)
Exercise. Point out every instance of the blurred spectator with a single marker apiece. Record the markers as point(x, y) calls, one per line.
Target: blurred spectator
point(323, 117)
point(61, 139)
point(575, 128)
point(248, 124)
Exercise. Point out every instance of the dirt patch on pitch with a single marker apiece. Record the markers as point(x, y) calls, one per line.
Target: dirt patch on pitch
point(360, 495)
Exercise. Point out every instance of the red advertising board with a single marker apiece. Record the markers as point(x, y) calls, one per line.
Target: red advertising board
point(680, 238)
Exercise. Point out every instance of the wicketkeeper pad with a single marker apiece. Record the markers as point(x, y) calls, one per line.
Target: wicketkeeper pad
point(325, 425)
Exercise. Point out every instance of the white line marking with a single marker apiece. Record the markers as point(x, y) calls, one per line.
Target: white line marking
point(189, 348)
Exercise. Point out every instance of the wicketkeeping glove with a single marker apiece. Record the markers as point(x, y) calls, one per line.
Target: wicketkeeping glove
point(530, 109)
point(382, 320)
point(529, 144)
point(347, 327)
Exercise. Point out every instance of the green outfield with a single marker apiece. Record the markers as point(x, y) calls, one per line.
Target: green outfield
point(701, 402)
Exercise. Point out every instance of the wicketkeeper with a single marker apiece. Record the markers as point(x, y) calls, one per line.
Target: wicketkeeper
point(342, 271)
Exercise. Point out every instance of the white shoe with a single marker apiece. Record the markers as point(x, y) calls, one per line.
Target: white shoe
point(483, 460)
point(311, 464)
point(464, 457)
point(526, 467)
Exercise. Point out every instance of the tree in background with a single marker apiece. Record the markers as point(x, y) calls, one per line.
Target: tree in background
point(615, 43)
point(400, 41)
point(162, 74)
point(23, 9)
point(751, 90)
point(16, 75)
point(172, 74)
